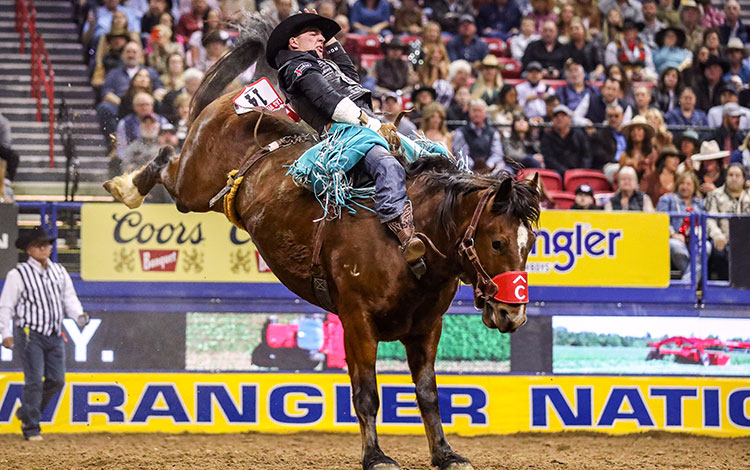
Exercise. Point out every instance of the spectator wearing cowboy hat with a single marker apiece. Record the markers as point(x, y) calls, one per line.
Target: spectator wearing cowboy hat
point(686, 114)
point(499, 18)
point(585, 200)
point(565, 148)
point(685, 198)
point(728, 135)
point(37, 295)
point(688, 144)
point(690, 15)
point(711, 170)
point(639, 136)
point(708, 88)
point(393, 72)
point(730, 198)
point(532, 92)
point(548, 51)
point(490, 81)
point(421, 97)
point(671, 50)
point(466, 44)
point(661, 178)
point(733, 27)
point(735, 53)
point(631, 53)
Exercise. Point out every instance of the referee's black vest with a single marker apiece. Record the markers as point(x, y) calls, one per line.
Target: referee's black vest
point(40, 306)
point(480, 144)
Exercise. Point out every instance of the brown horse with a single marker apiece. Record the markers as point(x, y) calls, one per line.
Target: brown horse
point(480, 227)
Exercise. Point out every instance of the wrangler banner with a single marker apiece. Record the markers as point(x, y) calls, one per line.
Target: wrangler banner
point(158, 243)
point(611, 249)
point(469, 405)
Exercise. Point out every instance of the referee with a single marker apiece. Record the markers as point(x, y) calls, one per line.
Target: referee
point(37, 294)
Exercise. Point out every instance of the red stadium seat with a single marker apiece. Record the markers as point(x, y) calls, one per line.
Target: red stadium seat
point(365, 44)
point(368, 60)
point(562, 199)
point(594, 178)
point(511, 67)
point(498, 47)
point(550, 178)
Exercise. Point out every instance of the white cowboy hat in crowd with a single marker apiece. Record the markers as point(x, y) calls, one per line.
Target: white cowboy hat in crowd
point(639, 121)
point(710, 151)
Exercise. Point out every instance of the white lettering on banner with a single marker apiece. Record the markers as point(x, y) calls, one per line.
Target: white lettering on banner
point(160, 262)
point(81, 338)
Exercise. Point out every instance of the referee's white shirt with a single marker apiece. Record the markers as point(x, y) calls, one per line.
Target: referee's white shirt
point(48, 320)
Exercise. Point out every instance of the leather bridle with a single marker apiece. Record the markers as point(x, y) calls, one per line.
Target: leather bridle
point(485, 287)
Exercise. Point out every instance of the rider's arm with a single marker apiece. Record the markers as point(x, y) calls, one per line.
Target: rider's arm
point(337, 54)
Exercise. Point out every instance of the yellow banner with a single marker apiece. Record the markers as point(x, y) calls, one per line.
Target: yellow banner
point(470, 405)
point(158, 243)
point(611, 249)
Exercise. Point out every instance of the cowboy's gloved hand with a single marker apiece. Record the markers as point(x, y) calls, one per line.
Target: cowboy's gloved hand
point(83, 320)
point(368, 122)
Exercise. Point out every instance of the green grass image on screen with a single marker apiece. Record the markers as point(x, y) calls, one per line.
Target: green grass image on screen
point(225, 341)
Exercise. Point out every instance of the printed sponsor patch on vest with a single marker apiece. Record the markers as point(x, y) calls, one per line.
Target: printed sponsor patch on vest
point(301, 68)
point(260, 94)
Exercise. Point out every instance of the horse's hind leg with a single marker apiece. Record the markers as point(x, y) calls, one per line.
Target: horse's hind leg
point(420, 352)
point(131, 188)
point(360, 357)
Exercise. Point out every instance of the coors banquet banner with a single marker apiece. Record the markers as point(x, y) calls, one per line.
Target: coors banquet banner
point(158, 243)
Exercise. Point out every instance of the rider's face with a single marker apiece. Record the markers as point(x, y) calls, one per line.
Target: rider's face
point(309, 40)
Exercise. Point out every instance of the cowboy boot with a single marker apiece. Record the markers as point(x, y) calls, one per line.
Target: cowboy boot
point(403, 226)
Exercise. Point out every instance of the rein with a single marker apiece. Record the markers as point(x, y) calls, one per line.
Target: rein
point(485, 286)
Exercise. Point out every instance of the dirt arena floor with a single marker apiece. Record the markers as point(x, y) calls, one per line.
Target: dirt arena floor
point(341, 451)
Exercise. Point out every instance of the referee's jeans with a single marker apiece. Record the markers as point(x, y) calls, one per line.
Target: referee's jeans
point(43, 357)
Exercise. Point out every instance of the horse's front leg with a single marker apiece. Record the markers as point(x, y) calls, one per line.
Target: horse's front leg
point(361, 352)
point(420, 352)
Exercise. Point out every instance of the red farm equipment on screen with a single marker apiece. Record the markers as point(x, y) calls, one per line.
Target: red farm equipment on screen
point(304, 344)
point(709, 352)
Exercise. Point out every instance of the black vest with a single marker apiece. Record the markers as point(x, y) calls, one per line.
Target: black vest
point(635, 203)
point(479, 144)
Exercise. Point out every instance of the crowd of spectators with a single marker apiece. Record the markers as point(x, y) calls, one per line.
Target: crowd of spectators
point(652, 93)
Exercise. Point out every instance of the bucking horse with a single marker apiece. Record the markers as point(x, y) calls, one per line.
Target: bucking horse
point(479, 230)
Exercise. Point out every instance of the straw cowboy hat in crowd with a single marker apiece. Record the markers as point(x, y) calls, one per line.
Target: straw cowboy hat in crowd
point(639, 121)
point(710, 151)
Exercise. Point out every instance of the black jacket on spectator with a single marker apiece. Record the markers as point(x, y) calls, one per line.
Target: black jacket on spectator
point(455, 113)
point(742, 33)
point(588, 56)
point(707, 97)
point(393, 75)
point(565, 153)
point(447, 14)
point(537, 51)
point(479, 144)
point(661, 100)
point(603, 148)
point(720, 136)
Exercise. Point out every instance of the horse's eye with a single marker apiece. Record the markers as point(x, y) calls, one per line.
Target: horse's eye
point(497, 245)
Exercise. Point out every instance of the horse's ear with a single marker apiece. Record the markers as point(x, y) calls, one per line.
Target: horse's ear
point(534, 181)
point(505, 188)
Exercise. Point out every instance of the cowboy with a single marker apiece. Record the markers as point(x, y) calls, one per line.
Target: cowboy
point(325, 91)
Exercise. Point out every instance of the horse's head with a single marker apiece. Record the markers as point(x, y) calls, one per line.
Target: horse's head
point(495, 247)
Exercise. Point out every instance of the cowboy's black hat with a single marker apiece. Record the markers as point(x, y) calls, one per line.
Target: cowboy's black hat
point(394, 43)
point(422, 89)
point(292, 26)
point(36, 234)
point(679, 32)
point(630, 24)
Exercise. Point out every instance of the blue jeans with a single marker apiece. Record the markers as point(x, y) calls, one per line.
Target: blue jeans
point(390, 182)
point(42, 356)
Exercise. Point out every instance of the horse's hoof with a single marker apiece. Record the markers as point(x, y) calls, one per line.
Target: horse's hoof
point(385, 466)
point(459, 466)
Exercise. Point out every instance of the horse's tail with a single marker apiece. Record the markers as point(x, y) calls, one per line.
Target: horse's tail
point(250, 47)
point(131, 188)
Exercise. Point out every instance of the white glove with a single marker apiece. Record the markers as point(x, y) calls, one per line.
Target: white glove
point(83, 320)
point(348, 112)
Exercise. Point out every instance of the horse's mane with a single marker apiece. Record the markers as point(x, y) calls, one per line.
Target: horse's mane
point(442, 175)
point(249, 48)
